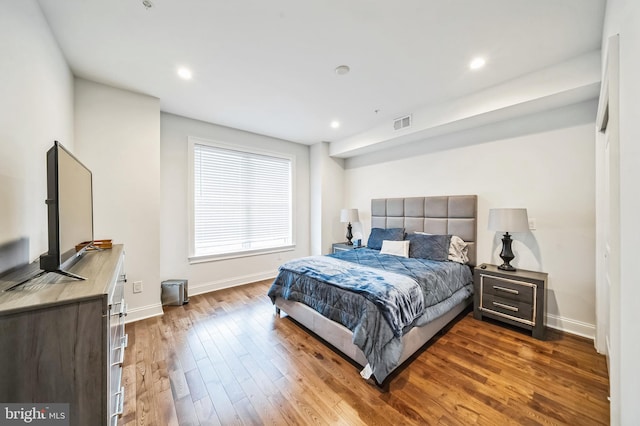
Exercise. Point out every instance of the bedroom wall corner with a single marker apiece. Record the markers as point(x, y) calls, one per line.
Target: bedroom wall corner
point(118, 138)
point(327, 198)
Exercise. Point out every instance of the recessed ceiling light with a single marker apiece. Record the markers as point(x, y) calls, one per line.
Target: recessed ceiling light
point(342, 70)
point(477, 63)
point(184, 73)
point(335, 124)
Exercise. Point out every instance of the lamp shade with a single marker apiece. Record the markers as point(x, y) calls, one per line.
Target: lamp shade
point(349, 215)
point(508, 220)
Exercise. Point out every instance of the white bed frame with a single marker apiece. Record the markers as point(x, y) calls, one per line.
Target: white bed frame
point(455, 215)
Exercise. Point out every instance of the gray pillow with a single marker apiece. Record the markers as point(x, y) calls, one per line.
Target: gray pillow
point(378, 235)
point(432, 247)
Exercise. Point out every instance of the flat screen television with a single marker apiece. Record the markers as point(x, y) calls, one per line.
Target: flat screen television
point(69, 210)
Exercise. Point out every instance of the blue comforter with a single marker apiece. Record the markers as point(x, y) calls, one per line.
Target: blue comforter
point(377, 296)
point(398, 297)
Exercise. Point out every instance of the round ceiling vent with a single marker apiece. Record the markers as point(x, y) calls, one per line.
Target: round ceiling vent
point(342, 70)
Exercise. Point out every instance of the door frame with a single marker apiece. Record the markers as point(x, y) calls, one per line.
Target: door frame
point(607, 261)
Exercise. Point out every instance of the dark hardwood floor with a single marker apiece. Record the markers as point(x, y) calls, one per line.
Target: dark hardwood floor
point(225, 358)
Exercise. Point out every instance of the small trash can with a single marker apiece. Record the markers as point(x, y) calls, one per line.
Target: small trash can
point(175, 292)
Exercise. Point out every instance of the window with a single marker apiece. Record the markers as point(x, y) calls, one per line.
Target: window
point(241, 201)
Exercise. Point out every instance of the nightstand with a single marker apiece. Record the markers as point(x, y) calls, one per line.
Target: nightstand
point(336, 247)
point(516, 298)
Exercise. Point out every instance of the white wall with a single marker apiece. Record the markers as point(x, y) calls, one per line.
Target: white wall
point(36, 108)
point(117, 135)
point(174, 239)
point(327, 198)
point(544, 162)
point(623, 17)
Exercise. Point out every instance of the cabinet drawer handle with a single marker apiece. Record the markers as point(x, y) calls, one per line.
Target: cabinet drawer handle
point(506, 290)
point(123, 345)
point(507, 307)
point(123, 309)
point(119, 403)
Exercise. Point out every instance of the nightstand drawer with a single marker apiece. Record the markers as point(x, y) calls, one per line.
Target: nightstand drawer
point(512, 308)
point(509, 289)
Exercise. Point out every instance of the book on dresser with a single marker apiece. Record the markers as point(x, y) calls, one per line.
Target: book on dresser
point(62, 340)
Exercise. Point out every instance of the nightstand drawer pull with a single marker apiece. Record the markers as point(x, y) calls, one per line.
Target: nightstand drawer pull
point(506, 290)
point(507, 307)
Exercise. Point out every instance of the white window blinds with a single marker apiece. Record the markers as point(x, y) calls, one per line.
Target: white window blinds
point(242, 201)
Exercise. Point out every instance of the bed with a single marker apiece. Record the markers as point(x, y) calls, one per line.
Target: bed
point(378, 309)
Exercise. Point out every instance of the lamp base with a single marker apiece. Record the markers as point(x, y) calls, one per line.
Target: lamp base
point(507, 254)
point(349, 235)
point(506, 267)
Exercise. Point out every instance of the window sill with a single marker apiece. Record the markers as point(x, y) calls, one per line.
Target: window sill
point(227, 256)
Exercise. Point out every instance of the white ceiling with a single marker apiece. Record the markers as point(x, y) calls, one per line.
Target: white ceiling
point(268, 66)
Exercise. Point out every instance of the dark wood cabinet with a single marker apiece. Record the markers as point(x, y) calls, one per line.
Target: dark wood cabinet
point(516, 298)
point(63, 341)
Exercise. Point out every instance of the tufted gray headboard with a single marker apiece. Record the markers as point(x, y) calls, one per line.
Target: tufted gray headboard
point(452, 214)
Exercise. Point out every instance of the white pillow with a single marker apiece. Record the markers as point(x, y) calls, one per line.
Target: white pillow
point(458, 249)
point(395, 248)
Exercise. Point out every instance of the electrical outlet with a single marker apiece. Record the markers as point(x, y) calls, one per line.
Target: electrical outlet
point(532, 224)
point(137, 286)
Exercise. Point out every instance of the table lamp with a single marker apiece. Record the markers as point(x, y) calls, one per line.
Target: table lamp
point(348, 216)
point(508, 220)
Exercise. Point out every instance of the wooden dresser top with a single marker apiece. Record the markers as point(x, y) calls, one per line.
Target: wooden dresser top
point(54, 289)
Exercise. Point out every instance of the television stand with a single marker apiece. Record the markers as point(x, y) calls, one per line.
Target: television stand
point(65, 342)
point(67, 274)
point(41, 273)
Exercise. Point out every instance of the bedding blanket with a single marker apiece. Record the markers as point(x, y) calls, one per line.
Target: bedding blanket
point(398, 297)
point(378, 297)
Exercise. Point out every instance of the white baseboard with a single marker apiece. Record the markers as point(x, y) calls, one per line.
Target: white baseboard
point(144, 312)
point(566, 325)
point(571, 326)
point(233, 282)
point(149, 311)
